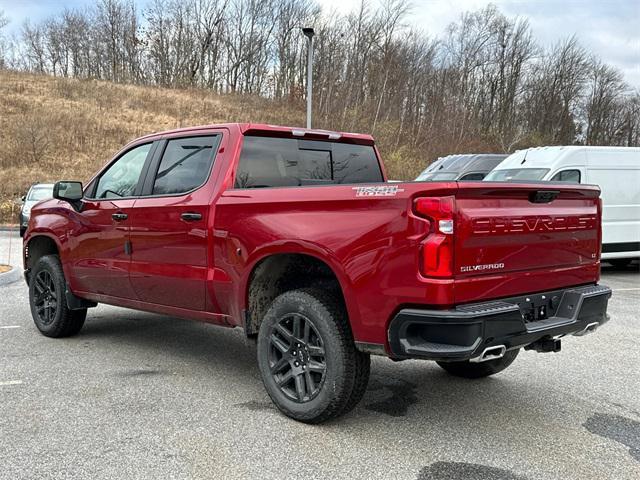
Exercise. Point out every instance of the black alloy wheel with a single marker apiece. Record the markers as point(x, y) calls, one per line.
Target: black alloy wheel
point(46, 298)
point(48, 302)
point(307, 357)
point(297, 357)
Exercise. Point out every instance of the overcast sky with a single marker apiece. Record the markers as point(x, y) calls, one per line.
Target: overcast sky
point(608, 28)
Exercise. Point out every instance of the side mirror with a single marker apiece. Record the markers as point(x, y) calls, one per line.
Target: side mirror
point(23, 198)
point(68, 191)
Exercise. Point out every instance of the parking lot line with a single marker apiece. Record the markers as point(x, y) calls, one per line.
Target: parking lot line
point(11, 382)
point(9, 326)
point(625, 289)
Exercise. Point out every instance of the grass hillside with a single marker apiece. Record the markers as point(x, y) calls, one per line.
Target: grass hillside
point(53, 128)
point(56, 128)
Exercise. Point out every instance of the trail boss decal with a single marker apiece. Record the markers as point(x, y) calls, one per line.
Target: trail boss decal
point(378, 191)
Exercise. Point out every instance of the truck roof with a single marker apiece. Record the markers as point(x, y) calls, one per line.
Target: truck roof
point(548, 156)
point(263, 128)
point(463, 163)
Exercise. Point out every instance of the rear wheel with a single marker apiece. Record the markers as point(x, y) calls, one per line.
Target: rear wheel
point(469, 369)
point(307, 357)
point(620, 262)
point(49, 309)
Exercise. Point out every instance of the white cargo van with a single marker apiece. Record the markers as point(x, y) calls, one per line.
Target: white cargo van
point(615, 169)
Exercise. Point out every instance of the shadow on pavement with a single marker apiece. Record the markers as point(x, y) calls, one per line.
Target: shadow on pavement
point(416, 391)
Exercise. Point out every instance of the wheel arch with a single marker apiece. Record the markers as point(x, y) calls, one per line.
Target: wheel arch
point(36, 247)
point(276, 272)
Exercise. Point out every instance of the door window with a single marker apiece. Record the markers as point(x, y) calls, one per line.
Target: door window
point(571, 176)
point(185, 165)
point(121, 178)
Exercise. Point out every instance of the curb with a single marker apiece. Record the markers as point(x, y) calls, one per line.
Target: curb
point(11, 276)
point(9, 228)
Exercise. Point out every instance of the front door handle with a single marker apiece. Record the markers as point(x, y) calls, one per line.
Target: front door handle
point(191, 216)
point(119, 217)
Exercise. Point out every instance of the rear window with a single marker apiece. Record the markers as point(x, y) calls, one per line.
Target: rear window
point(287, 162)
point(516, 174)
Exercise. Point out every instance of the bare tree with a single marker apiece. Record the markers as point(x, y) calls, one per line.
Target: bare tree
point(4, 21)
point(35, 49)
point(604, 110)
point(483, 85)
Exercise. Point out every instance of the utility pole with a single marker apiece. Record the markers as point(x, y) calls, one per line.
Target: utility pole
point(308, 32)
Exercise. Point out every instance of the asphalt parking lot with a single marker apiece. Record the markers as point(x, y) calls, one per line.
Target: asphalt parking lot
point(137, 395)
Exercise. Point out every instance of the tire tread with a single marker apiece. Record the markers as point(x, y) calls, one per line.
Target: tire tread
point(356, 363)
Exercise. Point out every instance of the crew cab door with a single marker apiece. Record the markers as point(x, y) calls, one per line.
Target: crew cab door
point(99, 254)
point(169, 234)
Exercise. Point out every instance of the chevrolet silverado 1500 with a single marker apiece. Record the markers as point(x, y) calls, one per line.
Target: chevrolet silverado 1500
point(294, 236)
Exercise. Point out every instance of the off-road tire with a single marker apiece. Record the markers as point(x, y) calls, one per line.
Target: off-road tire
point(53, 321)
point(620, 263)
point(346, 372)
point(480, 370)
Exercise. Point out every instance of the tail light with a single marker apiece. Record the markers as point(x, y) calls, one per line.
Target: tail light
point(436, 255)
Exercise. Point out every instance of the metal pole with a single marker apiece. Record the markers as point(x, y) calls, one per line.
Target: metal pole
point(309, 81)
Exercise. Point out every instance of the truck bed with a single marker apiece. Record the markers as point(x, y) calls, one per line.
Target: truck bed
point(509, 239)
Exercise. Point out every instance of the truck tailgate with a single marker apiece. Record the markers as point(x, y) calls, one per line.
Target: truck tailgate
point(518, 229)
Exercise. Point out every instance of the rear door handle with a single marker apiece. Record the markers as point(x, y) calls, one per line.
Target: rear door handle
point(191, 216)
point(118, 217)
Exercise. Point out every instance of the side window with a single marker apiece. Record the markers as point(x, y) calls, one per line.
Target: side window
point(185, 165)
point(121, 178)
point(281, 162)
point(571, 176)
point(471, 177)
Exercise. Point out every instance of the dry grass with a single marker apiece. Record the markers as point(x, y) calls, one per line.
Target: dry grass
point(52, 128)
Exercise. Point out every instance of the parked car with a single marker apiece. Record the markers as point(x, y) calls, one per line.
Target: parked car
point(468, 167)
point(434, 165)
point(294, 236)
point(616, 170)
point(36, 193)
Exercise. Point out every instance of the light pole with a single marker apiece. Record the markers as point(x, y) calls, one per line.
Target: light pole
point(308, 32)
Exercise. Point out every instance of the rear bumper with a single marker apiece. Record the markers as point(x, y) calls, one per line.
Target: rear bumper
point(465, 332)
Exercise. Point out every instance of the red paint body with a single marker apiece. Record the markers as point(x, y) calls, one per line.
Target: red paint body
point(373, 244)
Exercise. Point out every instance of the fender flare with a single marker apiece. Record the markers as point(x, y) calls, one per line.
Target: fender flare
point(299, 247)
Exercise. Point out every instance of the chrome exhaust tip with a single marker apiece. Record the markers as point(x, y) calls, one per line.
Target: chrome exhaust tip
point(490, 353)
point(590, 328)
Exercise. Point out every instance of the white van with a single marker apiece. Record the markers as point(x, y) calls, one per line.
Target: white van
point(615, 169)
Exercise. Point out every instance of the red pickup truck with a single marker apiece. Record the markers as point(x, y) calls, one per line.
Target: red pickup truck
point(294, 236)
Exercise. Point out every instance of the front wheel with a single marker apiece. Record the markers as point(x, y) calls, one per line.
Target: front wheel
point(307, 357)
point(469, 369)
point(49, 309)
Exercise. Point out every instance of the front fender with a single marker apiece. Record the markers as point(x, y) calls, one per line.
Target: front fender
point(50, 220)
